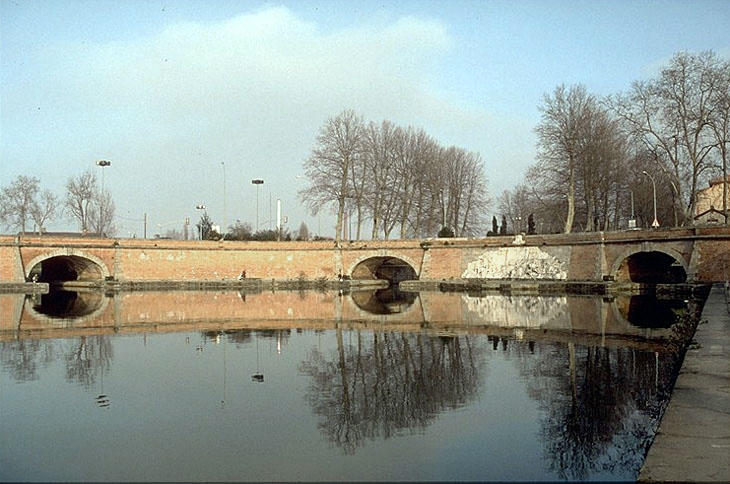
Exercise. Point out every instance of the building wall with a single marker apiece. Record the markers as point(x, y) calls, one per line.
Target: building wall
point(711, 196)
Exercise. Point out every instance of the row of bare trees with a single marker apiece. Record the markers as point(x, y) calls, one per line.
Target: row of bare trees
point(22, 202)
point(395, 178)
point(593, 152)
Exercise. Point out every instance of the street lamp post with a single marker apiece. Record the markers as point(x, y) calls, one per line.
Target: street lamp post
point(655, 223)
point(225, 217)
point(102, 164)
point(200, 226)
point(257, 182)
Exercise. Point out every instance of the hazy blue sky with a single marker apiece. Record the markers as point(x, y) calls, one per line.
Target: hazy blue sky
point(168, 89)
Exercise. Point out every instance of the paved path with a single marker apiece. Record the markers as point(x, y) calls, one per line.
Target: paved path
point(693, 440)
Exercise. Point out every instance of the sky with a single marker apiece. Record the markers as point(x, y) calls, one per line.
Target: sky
point(190, 100)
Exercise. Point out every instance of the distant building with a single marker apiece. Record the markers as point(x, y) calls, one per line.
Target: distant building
point(712, 216)
point(709, 201)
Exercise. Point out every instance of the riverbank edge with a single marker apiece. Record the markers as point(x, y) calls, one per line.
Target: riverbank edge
point(692, 443)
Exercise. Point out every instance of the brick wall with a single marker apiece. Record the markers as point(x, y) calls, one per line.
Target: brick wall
point(135, 259)
point(713, 260)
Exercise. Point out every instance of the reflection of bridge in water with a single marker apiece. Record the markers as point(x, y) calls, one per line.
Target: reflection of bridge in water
point(579, 319)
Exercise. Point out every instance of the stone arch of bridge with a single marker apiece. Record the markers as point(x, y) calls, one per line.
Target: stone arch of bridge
point(651, 264)
point(393, 268)
point(67, 265)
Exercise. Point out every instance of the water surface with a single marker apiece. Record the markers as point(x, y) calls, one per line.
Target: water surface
point(208, 386)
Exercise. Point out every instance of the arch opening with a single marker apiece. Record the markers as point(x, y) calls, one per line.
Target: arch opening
point(66, 268)
point(651, 267)
point(391, 269)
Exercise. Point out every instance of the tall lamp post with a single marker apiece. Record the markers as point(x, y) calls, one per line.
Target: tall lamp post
point(257, 182)
point(655, 223)
point(200, 227)
point(225, 218)
point(102, 164)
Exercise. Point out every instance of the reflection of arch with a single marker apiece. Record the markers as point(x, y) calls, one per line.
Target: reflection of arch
point(91, 306)
point(67, 265)
point(393, 269)
point(383, 301)
point(646, 311)
point(650, 265)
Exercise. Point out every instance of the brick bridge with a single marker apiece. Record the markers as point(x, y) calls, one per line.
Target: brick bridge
point(673, 255)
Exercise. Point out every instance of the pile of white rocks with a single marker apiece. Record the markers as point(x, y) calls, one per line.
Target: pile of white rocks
point(516, 263)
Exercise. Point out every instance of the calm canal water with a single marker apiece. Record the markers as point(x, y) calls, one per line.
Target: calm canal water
point(292, 386)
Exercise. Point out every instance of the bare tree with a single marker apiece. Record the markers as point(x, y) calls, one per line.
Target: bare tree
point(670, 116)
point(303, 233)
point(44, 209)
point(395, 176)
point(240, 231)
point(339, 145)
point(81, 192)
point(601, 158)
point(17, 200)
point(561, 132)
point(381, 174)
point(101, 215)
point(720, 124)
point(515, 205)
point(205, 227)
point(417, 156)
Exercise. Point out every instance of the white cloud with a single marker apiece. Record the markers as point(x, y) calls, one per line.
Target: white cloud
point(250, 91)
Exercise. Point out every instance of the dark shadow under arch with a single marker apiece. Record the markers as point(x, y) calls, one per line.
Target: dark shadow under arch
point(64, 268)
point(651, 267)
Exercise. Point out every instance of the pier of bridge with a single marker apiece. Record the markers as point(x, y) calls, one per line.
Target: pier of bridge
point(662, 256)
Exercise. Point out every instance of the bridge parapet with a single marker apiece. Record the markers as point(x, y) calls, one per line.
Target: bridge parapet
point(704, 254)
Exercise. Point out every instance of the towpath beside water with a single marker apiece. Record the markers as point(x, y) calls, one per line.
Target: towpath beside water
point(693, 440)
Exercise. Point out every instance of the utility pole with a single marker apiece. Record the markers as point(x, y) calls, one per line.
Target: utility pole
point(257, 182)
point(278, 219)
point(102, 164)
point(655, 223)
point(145, 225)
point(225, 218)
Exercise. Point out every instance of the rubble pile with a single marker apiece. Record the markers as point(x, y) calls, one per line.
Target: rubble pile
point(516, 263)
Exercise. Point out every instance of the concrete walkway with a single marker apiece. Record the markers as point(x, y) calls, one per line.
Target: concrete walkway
point(693, 440)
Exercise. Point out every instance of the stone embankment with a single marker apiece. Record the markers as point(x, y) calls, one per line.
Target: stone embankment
point(692, 443)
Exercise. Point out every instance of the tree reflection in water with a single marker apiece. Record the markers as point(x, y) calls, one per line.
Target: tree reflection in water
point(85, 358)
point(23, 358)
point(386, 383)
point(88, 358)
point(601, 405)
